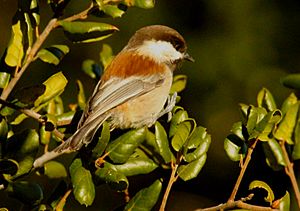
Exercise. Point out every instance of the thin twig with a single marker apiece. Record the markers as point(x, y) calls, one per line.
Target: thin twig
point(81, 15)
point(290, 172)
point(242, 172)
point(62, 202)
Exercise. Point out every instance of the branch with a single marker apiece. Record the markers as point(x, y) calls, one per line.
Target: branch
point(290, 172)
point(242, 172)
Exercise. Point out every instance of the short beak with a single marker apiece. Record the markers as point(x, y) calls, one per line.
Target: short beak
point(187, 57)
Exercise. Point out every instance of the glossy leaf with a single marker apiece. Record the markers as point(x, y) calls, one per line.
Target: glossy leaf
point(80, 96)
point(181, 135)
point(27, 192)
point(3, 131)
point(55, 170)
point(145, 4)
point(91, 68)
point(112, 10)
point(8, 166)
point(146, 198)
point(136, 166)
point(103, 141)
point(232, 150)
point(179, 116)
point(87, 31)
point(83, 186)
point(274, 154)
point(191, 170)
point(285, 201)
point(266, 99)
point(162, 143)
point(55, 85)
point(120, 149)
point(106, 55)
point(112, 176)
point(53, 54)
point(291, 81)
point(285, 129)
point(45, 136)
point(179, 83)
point(260, 184)
point(15, 50)
point(4, 79)
point(65, 117)
point(202, 142)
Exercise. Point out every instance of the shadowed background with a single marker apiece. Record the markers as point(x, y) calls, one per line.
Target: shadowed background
point(239, 47)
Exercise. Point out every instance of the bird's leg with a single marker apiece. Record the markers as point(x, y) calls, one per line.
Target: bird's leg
point(170, 105)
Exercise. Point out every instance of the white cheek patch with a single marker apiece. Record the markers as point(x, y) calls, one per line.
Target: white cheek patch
point(161, 51)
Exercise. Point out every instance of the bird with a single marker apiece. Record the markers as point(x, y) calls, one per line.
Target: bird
point(133, 91)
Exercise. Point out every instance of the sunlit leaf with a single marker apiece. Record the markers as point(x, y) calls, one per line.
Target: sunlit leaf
point(266, 99)
point(112, 176)
point(114, 11)
point(53, 54)
point(55, 85)
point(260, 184)
point(106, 55)
point(4, 79)
point(191, 170)
point(285, 201)
point(15, 50)
point(146, 198)
point(296, 149)
point(103, 141)
point(55, 170)
point(179, 116)
point(274, 154)
point(83, 186)
point(87, 31)
point(232, 150)
point(91, 68)
point(181, 135)
point(289, 101)
point(136, 166)
point(80, 96)
point(179, 83)
point(285, 129)
point(120, 149)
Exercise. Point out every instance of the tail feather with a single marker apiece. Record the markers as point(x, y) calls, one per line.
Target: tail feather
point(83, 136)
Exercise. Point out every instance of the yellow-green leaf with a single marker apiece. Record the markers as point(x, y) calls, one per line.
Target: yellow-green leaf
point(260, 184)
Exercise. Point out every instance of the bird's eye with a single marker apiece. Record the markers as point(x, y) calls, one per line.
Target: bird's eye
point(177, 45)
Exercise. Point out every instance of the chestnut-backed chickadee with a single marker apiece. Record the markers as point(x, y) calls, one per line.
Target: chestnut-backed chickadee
point(133, 89)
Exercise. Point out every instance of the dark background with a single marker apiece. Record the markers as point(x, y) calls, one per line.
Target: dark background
point(239, 47)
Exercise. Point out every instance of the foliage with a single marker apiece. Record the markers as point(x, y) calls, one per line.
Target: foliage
point(108, 161)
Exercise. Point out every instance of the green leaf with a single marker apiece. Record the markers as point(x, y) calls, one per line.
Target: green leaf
point(232, 150)
point(45, 136)
point(120, 149)
point(191, 170)
point(162, 143)
point(8, 166)
point(285, 129)
point(55, 170)
point(260, 184)
point(103, 141)
point(284, 204)
point(87, 31)
point(15, 50)
point(111, 175)
point(27, 192)
point(4, 79)
point(289, 101)
point(266, 99)
point(91, 68)
point(145, 4)
point(112, 10)
point(296, 149)
point(136, 166)
point(181, 135)
point(199, 140)
point(179, 116)
point(274, 154)
point(146, 198)
point(83, 186)
point(291, 81)
point(179, 83)
point(53, 54)
point(106, 55)
point(55, 85)
point(80, 96)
